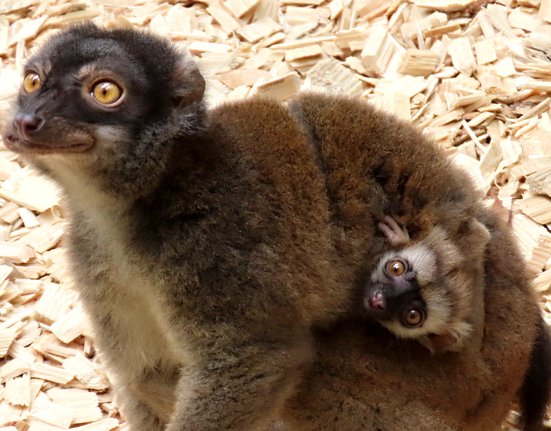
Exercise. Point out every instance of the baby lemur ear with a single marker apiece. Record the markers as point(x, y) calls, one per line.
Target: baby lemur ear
point(189, 83)
point(477, 233)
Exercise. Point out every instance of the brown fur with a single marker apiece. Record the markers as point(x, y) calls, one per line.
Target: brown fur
point(365, 379)
point(442, 280)
point(210, 247)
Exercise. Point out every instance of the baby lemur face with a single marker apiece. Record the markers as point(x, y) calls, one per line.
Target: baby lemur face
point(422, 290)
point(395, 291)
point(90, 93)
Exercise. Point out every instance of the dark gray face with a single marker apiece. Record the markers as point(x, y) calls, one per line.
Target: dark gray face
point(88, 77)
point(105, 103)
point(395, 295)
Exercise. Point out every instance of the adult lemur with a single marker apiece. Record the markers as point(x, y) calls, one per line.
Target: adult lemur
point(209, 245)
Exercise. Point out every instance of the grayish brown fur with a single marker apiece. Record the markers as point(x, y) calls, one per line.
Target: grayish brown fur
point(211, 247)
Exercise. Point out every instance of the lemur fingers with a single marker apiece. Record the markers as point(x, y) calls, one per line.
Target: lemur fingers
point(395, 234)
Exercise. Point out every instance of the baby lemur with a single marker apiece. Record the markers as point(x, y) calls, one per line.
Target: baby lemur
point(209, 247)
point(424, 289)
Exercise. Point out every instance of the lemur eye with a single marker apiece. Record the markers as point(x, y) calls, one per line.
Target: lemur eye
point(396, 267)
point(106, 93)
point(31, 82)
point(413, 318)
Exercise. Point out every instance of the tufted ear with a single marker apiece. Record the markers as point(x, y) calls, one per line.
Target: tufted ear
point(189, 83)
point(479, 234)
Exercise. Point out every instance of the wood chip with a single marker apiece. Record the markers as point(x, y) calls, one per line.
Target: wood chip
point(545, 10)
point(85, 372)
point(444, 5)
point(240, 7)
point(462, 55)
point(69, 326)
point(538, 208)
point(13, 368)
point(258, 30)
point(18, 390)
point(51, 373)
point(419, 62)
point(378, 49)
point(228, 23)
point(485, 51)
point(50, 413)
point(303, 52)
point(82, 404)
point(280, 88)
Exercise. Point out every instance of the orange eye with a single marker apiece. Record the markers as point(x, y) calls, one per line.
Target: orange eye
point(396, 267)
point(31, 82)
point(106, 92)
point(413, 318)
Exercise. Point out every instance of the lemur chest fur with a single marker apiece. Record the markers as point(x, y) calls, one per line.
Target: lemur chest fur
point(127, 308)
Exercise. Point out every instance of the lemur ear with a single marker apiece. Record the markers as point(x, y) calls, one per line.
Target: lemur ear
point(189, 83)
point(479, 232)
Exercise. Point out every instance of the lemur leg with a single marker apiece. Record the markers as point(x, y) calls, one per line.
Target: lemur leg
point(242, 387)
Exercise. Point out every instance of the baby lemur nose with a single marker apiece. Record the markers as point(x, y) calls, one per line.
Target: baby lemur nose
point(27, 124)
point(377, 300)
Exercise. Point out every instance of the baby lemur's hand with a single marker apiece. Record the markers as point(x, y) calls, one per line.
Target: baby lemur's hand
point(394, 234)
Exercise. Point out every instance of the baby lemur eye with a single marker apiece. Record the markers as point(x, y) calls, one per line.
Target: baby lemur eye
point(413, 318)
point(31, 82)
point(106, 93)
point(396, 267)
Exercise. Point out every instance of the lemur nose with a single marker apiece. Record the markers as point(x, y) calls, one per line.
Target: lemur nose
point(28, 124)
point(377, 300)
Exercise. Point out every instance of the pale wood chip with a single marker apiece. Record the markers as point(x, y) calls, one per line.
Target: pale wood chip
point(18, 390)
point(545, 10)
point(419, 62)
point(51, 373)
point(69, 326)
point(525, 21)
point(29, 219)
point(485, 51)
point(13, 368)
point(85, 371)
point(54, 303)
point(16, 253)
point(534, 241)
point(378, 49)
point(239, 8)
point(280, 88)
point(462, 55)
point(9, 6)
point(27, 29)
point(444, 5)
point(303, 42)
point(332, 75)
point(9, 212)
point(240, 77)
point(258, 30)
point(538, 208)
point(12, 414)
point(200, 47)
point(228, 23)
point(32, 192)
point(48, 412)
point(542, 282)
point(7, 336)
point(82, 404)
point(103, 425)
point(540, 182)
point(44, 238)
point(309, 51)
